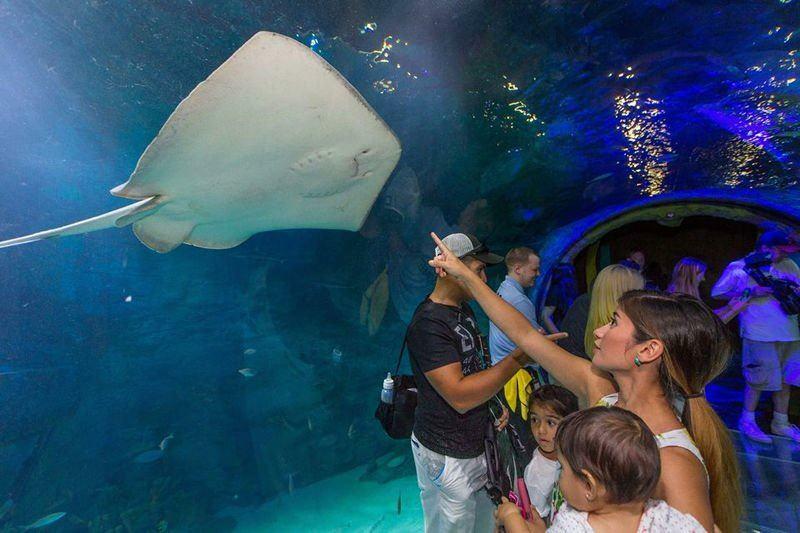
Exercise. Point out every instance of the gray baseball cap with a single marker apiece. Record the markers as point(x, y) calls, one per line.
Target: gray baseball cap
point(464, 244)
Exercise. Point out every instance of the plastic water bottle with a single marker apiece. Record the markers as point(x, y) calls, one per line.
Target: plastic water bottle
point(387, 393)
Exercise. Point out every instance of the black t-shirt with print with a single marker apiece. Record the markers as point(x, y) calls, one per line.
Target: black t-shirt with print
point(441, 335)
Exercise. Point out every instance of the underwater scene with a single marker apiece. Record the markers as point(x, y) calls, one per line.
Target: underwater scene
point(203, 348)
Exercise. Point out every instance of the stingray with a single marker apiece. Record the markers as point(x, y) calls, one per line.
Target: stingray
point(275, 138)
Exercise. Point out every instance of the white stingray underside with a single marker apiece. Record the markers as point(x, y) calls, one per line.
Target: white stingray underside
point(275, 138)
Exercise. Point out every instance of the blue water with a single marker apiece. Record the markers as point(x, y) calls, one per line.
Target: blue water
point(524, 123)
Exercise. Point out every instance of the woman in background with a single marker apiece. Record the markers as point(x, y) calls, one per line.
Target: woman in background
point(687, 276)
point(611, 283)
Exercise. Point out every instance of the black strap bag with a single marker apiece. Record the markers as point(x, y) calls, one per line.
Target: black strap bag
point(397, 418)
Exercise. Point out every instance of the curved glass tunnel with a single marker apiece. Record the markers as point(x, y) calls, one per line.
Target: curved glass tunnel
point(220, 390)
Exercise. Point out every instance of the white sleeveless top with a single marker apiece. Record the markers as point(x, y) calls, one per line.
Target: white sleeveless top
point(677, 437)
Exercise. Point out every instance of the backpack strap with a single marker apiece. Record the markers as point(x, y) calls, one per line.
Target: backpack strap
point(402, 349)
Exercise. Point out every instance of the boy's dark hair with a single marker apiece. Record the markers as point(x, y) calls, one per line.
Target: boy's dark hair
point(561, 401)
point(616, 447)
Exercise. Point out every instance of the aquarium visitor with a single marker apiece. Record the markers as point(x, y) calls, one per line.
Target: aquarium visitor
point(654, 359)
point(770, 334)
point(455, 384)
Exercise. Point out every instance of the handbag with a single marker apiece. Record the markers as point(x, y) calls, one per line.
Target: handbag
point(397, 418)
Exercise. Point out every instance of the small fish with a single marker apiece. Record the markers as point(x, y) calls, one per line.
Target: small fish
point(310, 426)
point(248, 372)
point(165, 442)
point(291, 483)
point(128, 299)
point(351, 431)
point(601, 177)
point(149, 456)
point(46, 521)
point(249, 351)
point(399, 503)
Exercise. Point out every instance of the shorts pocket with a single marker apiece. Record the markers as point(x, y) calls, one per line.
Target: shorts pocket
point(757, 375)
point(432, 463)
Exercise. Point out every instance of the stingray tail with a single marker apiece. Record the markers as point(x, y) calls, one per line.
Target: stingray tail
point(113, 219)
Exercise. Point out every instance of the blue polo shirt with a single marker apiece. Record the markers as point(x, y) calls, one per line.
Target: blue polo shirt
point(512, 292)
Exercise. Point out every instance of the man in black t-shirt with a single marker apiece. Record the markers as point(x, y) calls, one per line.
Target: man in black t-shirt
point(454, 388)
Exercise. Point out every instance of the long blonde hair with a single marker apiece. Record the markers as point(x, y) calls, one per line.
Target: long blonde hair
point(611, 283)
point(685, 277)
point(697, 348)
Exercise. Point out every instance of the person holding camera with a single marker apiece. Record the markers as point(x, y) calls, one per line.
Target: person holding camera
point(769, 329)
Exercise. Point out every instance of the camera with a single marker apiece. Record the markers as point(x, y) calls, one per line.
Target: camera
point(785, 291)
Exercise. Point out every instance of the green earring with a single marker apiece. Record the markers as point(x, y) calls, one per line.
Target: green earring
point(636, 361)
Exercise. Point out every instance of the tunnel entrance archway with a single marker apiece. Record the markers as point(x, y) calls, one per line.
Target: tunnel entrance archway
point(693, 216)
point(714, 240)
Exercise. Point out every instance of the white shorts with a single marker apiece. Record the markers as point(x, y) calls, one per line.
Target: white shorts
point(451, 490)
point(768, 365)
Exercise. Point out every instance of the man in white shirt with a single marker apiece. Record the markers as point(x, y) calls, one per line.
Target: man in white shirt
point(770, 336)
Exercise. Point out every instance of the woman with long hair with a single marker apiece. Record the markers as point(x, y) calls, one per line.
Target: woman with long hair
point(611, 283)
point(687, 276)
point(654, 359)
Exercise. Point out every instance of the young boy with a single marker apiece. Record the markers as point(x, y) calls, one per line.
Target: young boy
point(548, 405)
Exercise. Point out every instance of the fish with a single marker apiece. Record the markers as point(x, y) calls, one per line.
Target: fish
point(165, 441)
point(248, 372)
point(291, 482)
point(502, 171)
point(249, 351)
point(351, 431)
point(374, 302)
point(275, 138)
point(46, 521)
point(310, 426)
point(128, 299)
point(149, 456)
point(399, 502)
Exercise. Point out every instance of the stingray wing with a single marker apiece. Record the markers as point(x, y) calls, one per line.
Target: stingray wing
point(275, 138)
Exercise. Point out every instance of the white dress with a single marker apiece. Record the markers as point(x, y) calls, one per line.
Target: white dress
point(541, 477)
point(658, 517)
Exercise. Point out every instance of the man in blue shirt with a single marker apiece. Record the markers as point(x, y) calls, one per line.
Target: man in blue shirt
point(523, 269)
